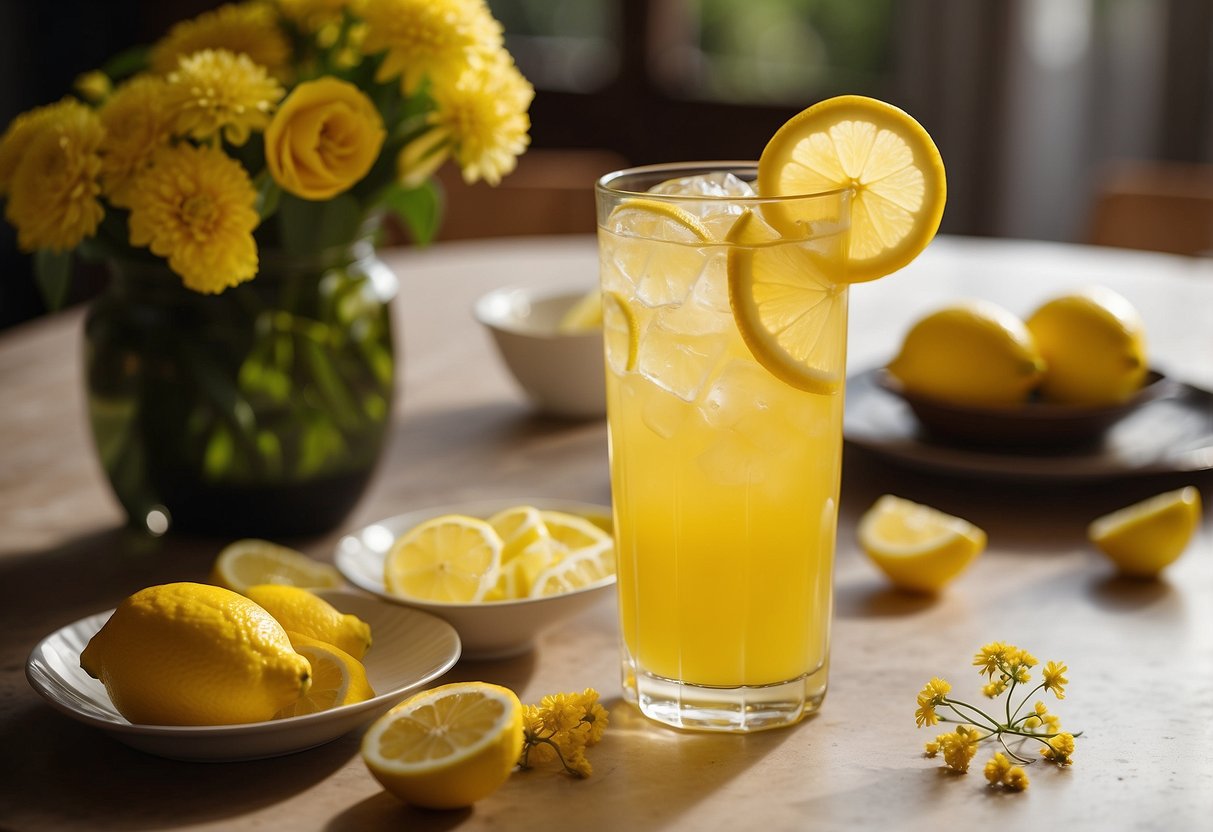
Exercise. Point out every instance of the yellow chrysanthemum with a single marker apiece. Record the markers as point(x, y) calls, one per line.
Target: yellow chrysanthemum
point(314, 15)
point(483, 113)
point(51, 168)
point(18, 135)
point(246, 28)
point(194, 206)
point(215, 92)
point(428, 38)
point(137, 120)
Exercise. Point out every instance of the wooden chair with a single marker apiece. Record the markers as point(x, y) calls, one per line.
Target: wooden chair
point(1157, 206)
point(550, 192)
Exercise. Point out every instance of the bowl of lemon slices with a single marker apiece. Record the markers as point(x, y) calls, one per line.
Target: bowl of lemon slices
point(550, 340)
point(499, 571)
point(973, 372)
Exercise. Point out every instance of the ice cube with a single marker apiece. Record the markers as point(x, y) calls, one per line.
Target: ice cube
point(747, 400)
point(667, 274)
point(711, 289)
point(675, 359)
point(716, 183)
point(663, 413)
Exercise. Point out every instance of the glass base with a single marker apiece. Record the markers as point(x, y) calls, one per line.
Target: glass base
point(739, 710)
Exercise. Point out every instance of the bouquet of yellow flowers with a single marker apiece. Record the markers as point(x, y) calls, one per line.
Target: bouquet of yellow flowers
point(264, 139)
point(286, 123)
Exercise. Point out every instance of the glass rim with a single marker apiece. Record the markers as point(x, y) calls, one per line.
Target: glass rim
point(605, 183)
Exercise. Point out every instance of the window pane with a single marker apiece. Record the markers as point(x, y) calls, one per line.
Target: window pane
point(568, 46)
point(779, 50)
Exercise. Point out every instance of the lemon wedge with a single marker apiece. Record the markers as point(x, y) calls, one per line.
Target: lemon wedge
point(451, 558)
point(337, 678)
point(448, 747)
point(882, 155)
point(1094, 343)
point(790, 313)
point(576, 570)
point(249, 562)
point(919, 548)
point(972, 352)
point(1143, 538)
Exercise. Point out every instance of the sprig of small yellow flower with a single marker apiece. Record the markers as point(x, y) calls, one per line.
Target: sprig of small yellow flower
point(561, 727)
point(1007, 668)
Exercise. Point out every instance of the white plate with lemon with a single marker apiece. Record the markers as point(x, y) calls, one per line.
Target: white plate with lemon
point(410, 649)
point(491, 623)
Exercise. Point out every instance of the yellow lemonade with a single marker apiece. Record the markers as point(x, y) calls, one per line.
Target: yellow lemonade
point(724, 477)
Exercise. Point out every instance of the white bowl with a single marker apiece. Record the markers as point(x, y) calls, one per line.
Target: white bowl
point(488, 630)
point(410, 648)
point(563, 374)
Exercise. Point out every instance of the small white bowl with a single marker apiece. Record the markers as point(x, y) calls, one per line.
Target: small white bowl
point(488, 630)
point(410, 648)
point(563, 374)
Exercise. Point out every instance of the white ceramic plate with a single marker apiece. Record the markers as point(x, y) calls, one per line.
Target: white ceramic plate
point(410, 648)
point(491, 630)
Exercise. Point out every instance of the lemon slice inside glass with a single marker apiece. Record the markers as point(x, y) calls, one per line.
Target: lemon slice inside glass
point(452, 558)
point(447, 747)
point(621, 333)
point(656, 219)
point(1143, 538)
point(919, 548)
point(249, 562)
point(882, 155)
point(790, 313)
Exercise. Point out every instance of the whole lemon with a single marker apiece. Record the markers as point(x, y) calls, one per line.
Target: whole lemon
point(305, 613)
point(194, 654)
point(973, 352)
point(1094, 343)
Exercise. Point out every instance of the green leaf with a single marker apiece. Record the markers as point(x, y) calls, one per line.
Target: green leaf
point(126, 63)
point(53, 271)
point(420, 209)
point(268, 195)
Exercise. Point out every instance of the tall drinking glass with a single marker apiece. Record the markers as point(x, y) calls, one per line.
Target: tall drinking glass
point(724, 475)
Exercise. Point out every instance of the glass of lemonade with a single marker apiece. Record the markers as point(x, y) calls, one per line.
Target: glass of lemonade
point(724, 475)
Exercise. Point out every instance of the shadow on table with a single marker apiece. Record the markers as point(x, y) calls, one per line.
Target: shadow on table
point(876, 599)
point(634, 768)
point(106, 779)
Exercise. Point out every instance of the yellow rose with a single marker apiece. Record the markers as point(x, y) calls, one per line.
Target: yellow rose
point(324, 138)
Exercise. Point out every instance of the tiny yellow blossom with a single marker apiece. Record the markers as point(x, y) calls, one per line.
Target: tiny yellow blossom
point(931, 696)
point(1059, 749)
point(988, 658)
point(137, 121)
point(53, 191)
point(995, 688)
point(315, 15)
point(1016, 779)
point(215, 92)
point(959, 747)
point(996, 769)
point(245, 28)
point(932, 748)
point(1054, 679)
point(194, 206)
point(428, 38)
point(560, 728)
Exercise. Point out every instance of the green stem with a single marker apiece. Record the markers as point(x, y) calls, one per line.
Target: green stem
point(953, 703)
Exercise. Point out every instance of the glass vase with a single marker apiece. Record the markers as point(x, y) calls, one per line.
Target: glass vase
point(260, 411)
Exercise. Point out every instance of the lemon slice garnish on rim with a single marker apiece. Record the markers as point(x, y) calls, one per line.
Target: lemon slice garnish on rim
point(790, 313)
point(882, 155)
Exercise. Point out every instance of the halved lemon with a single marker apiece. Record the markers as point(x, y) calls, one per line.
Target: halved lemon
point(1143, 538)
point(448, 747)
point(878, 152)
point(791, 314)
point(451, 558)
point(250, 562)
point(918, 548)
point(337, 678)
point(621, 333)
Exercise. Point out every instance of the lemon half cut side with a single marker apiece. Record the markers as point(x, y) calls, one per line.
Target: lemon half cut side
point(882, 155)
